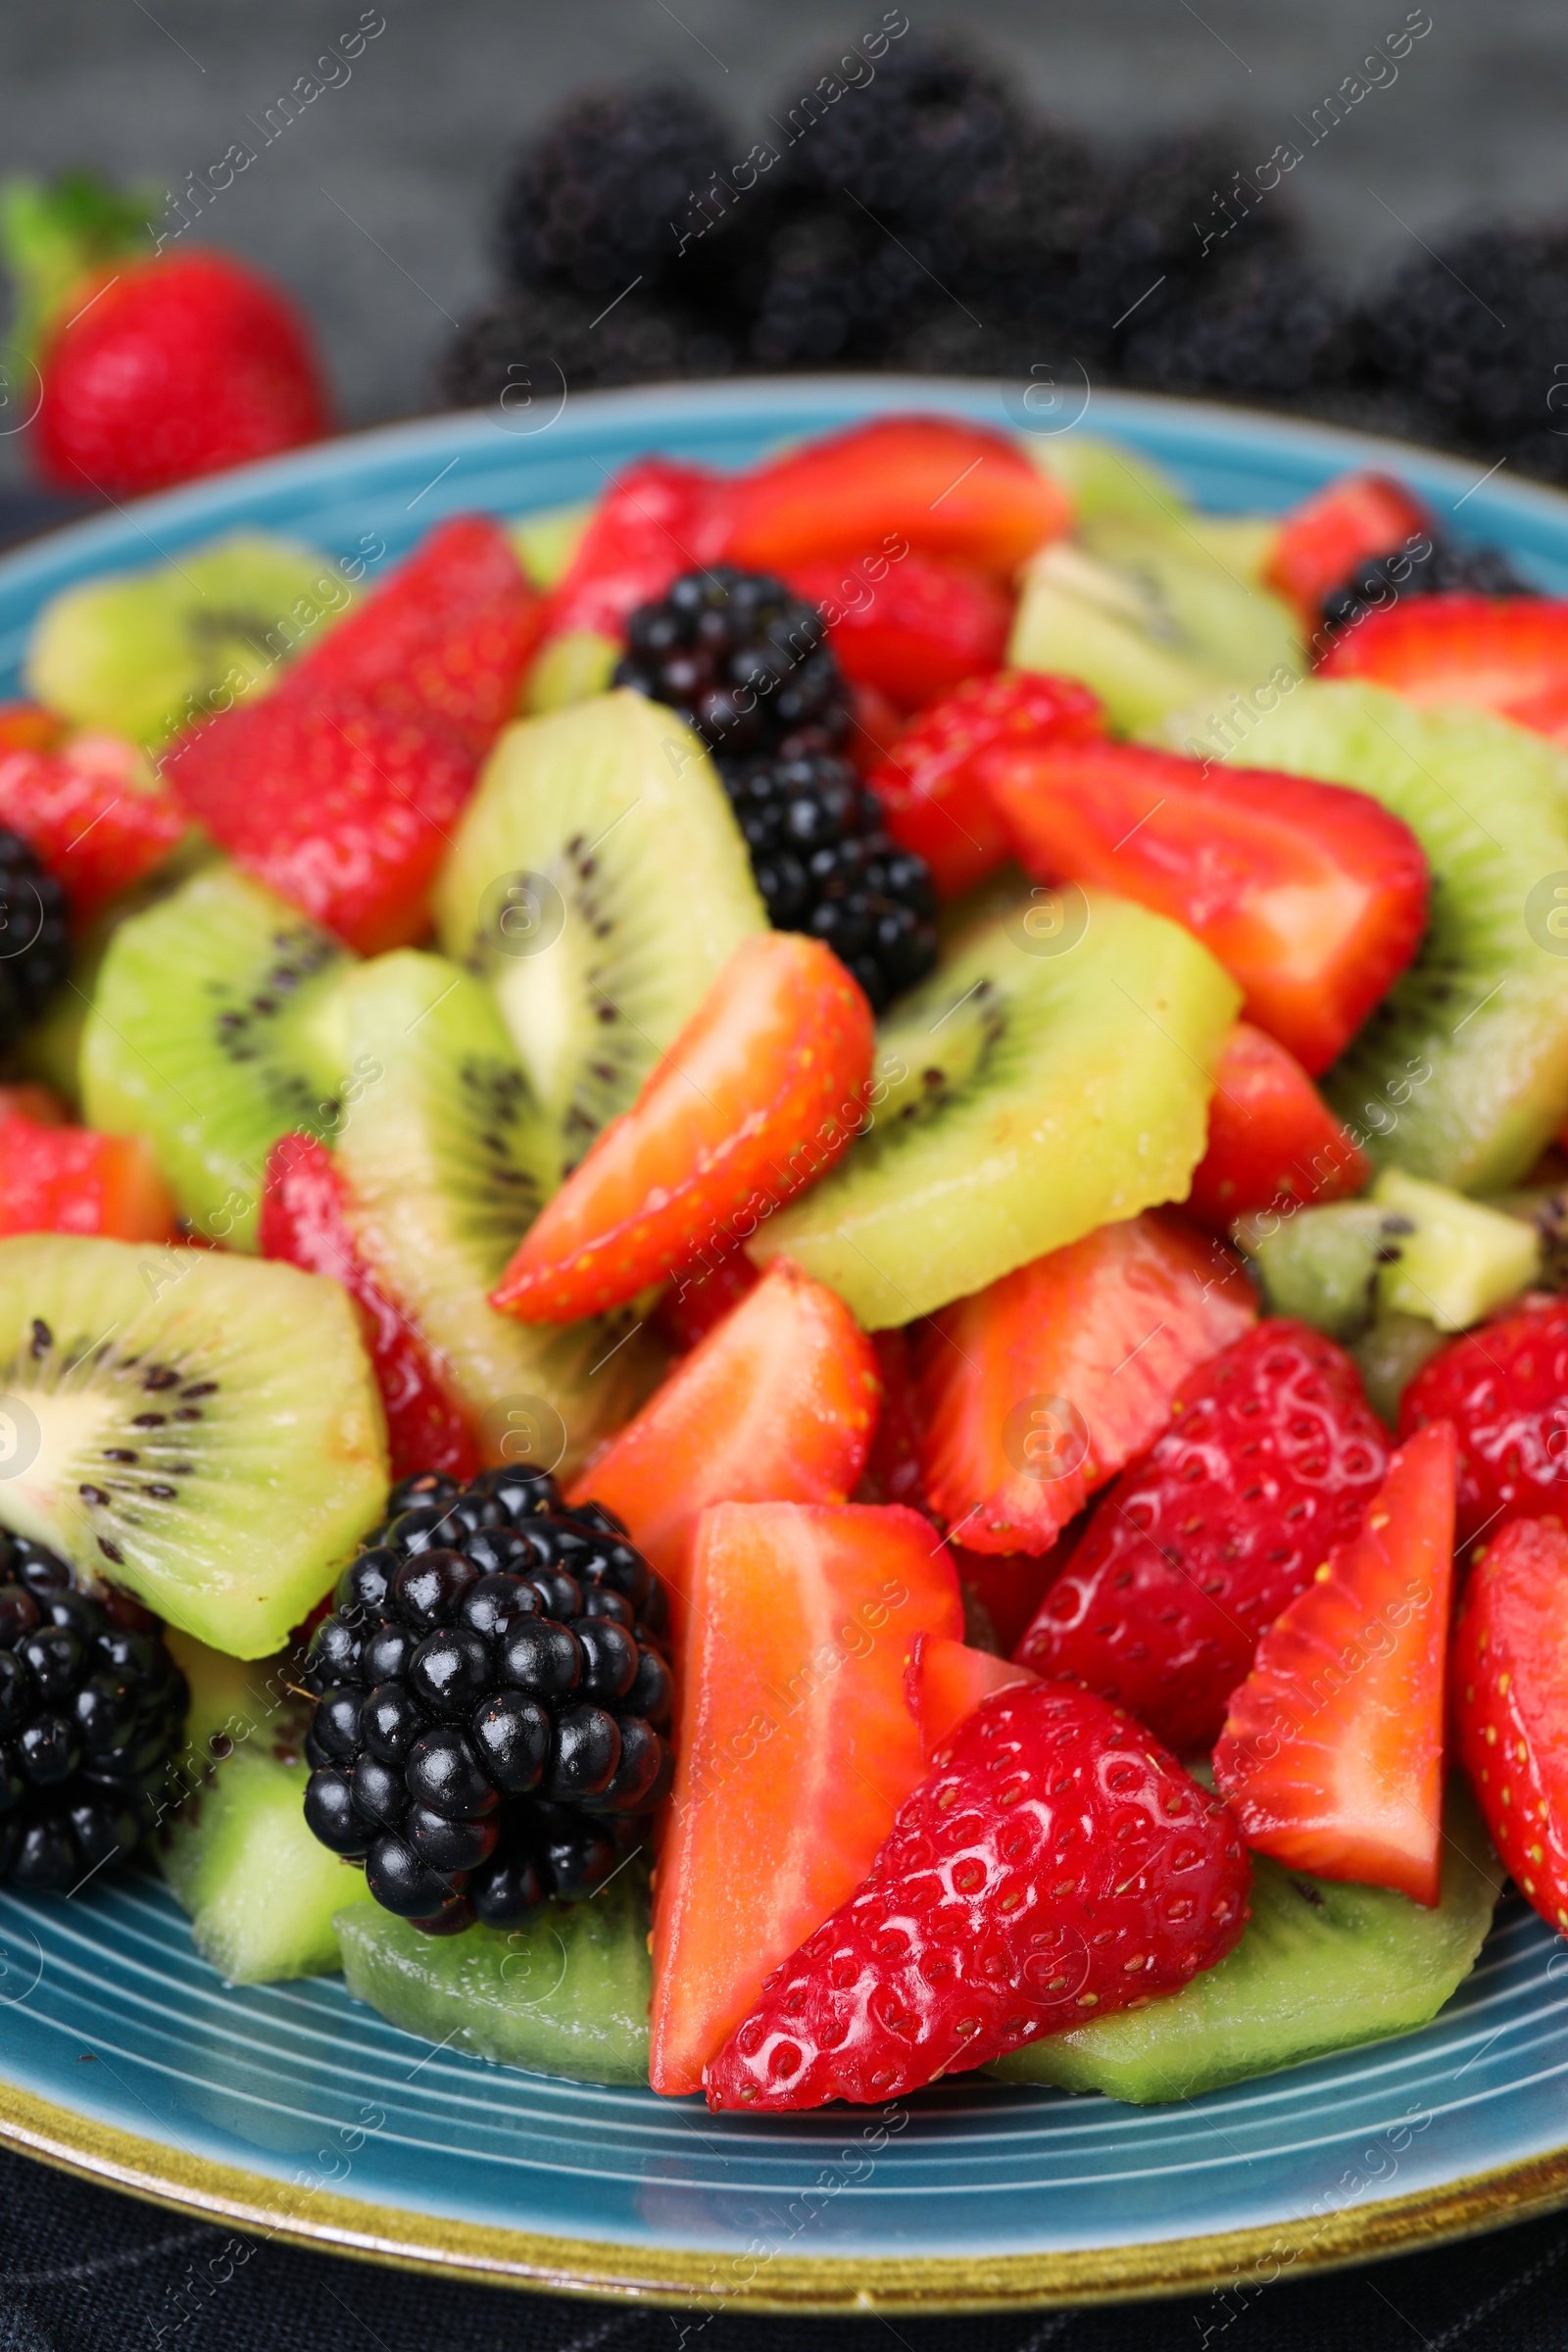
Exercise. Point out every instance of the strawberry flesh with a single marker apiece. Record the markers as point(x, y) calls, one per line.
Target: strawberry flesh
point(1330, 535)
point(1273, 1459)
point(1510, 1704)
point(1311, 895)
point(1331, 1752)
point(1505, 1390)
point(656, 520)
point(1509, 654)
point(945, 1680)
point(914, 628)
point(1273, 1142)
point(759, 1095)
point(1055, 1865)
point(1037, 1390)
point(89, 815)
point(56, 1178)
point(303, 1221)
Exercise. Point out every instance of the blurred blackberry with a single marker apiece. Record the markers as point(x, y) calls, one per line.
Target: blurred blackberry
point(1428, 566)
point(832, 285)
point(34, 947)
point(1477, 331)
point(824, 867)
point(489, 1690)
point(1264, 325)
point(747, 663)
point(931, 131)
point(590, 201)
point(525, 349)
point(93, 1709)
point(1022, 239)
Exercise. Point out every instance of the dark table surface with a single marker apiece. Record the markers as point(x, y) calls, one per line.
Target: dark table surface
point(375, 213)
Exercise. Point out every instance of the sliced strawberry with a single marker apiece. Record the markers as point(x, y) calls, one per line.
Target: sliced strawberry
point(945, 1680)
point(776, 1405)
point(913, 628)
point(702, 1296)
point(29, 727)
point(656, 520)
point(1510, 1704)
point(1331, 535)
point(759, 1096)
point(939, 486)
point(1055, 1865)
point(1273, 1142)
point(91, 815)
point(1039, 1389)
point(892, 1472)
point(1272, 1459)
point(343, 809)
point(932, 782)
point(1505, 1390)
point(1331, 1752)
point(448, 636)
point(72, 1180)
point(1507, 653)
point(1312, 896)
point(794, 1752)
point(303, 1221)
point(876, 722)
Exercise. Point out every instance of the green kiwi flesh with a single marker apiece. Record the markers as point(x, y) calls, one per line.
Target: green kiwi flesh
point(548, 538)
point(148, 652)
point(567, 1994)
point(1461, 1073)
point(1389, 1354)
point(203, 1428)
point(263, 1894)
point(1459, 1260)
point(1024, 1098)
point(448, 1157)
point(196, 1040)
point(637, 890)
point(1320, 1967)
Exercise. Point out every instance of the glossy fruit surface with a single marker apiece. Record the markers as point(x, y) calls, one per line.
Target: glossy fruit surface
point(945, 1680)
point(1510, 1704)
point(914, 628)
point(1273, 1142)
point(1509, 654)
point(89, 815)
point(1505, 1389)
point(655, 519)
point(56, 1178)
point(1331, 535)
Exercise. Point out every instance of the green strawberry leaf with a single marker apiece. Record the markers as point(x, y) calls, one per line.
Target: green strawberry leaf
point(53, 236)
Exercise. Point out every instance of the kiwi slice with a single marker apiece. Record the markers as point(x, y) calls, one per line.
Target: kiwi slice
point(261, 1891)
point(1461, 1073)
point(1459, 1260)
point(202, 1428)
point(1051, 1075)
point(548, 538)
point(1107, 480)
point(1321, 1265)
point(1321, 1967)
point(196, 1040)
point(567, 1994)
point(600, 882)
point(448, 1158)
point(1389, 1354)
point(149, 652)
point(1156, 619)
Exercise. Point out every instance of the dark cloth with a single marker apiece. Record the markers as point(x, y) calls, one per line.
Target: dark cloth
point(83, 2270)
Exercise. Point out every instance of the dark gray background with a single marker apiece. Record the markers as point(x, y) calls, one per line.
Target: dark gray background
point(375, 205)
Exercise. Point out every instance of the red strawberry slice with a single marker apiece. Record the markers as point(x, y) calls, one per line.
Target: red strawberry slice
point(72, 1180)
point(90, 815)
point(892, 1472)
point(1505, 1390)
point(304, 1220)
point(1331, 535)
point(759, 1096)
point(1055, 1865)
point(1272, 1459)
point(932, 782)
point(1039, 1389)
point(1331, 1752)
point(941, 487)
point(1273, 1142)
point(1507, 653)
point(912, 627)
point(1510, 1704)
point(702, 1296)
point(344, 808)
point(448, 636)
point(1312, 896)
point(877, 722)
point(945, 1680)
point(776, 1405)
point(656, 520)
point(794, 1751)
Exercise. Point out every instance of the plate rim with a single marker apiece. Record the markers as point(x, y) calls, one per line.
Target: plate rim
point(401, 2238)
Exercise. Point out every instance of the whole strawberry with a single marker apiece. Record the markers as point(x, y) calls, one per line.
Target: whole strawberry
point(1056, 1866)
point(154, 367)
point(1505, 1389)
point(1270, 1462)
point(1510, 1704)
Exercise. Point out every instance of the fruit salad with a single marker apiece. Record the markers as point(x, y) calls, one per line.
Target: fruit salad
point(783, 1299)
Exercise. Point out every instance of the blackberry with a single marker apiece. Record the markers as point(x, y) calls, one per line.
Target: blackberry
point(93, 1709)
point(34, 947)
point(490, 1701)
point(932, 129)
point(1426, 565)
point(824, 866)
point(528, 347)
point(1264, 325)
point(747, 663)
point(833, 286)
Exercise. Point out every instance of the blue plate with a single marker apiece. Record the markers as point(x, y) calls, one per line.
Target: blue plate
point(294, 2111)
